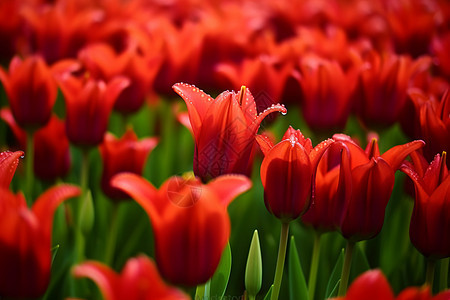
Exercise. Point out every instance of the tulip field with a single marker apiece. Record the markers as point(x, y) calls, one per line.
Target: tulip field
point(222, 149)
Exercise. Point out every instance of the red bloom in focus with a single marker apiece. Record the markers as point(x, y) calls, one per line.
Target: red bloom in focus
point(139, 280)
point(51, 146)
point(190, 222)
point(224, 130)
point(31, 91)
point(25, 254)
point(372, 285)
point(8, 165)
point(88, 106)
point(382, 88)
point(360, 190)
point(430, 225)
point(126, 154)
point(327, 91)
point(287, 173)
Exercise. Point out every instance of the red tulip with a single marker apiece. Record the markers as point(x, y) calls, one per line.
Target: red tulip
point(372, 285)
point(88, 107)
point(360, 190)
point(287, 173)
point(139, 280)
point(190, 222)
point(8, 165)
point(382, 88)
point(260, 75)
point(327, 89)
point(51, 146)
point(435, 124)
point(126, 154)
point(141, 71)
point(224, 130)
point(430, 222)
point(31, 91)
point(25, 254)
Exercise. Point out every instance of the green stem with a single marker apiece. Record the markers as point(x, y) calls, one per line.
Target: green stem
point(346, 269)
point(203, 291)
point(84, 179)
point(251, 297)
point(429, 277)
point(112, 238)
point(280, 261)
point(443, 278)
point(29, 155)
point(314, 266)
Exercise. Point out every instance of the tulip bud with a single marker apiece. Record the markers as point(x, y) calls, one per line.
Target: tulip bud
point(253, 270)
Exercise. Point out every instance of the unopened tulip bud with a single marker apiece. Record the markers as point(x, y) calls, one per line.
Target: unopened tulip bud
point(253, 270)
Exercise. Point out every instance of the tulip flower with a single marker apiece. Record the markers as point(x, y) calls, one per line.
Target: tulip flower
point(372, 285)
point(435, 124)
point(141, 71)
point(139, 280)
point(51, 146)
point(429, 221)
point(287, 175)
point(8, 165)
point(89, 104)
point(359, 193)
point(190, 222)
point(224, 130)
point(31, 91)
point(25, 254)
point(382, 88)
point(126, 154)
point(326, 90)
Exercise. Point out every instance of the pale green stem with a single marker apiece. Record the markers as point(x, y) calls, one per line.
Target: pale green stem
point(429, 277)
point(203, 291)
point(280, 261)
point(84, 179)
point(443, 278)
point(29, 174)
point(112, 238)
point(346, 269)
point(314, 266)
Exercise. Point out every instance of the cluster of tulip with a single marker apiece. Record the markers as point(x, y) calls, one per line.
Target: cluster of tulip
point(91, 81)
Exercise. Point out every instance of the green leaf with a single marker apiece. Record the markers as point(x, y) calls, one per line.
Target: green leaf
point(297, 283)
point(219, 281)
point(335, 277)
point(269, 293)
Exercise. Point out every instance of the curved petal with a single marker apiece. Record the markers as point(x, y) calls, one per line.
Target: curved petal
point(46, 204)
point(228, 187)
point(197, 102)
point(264, 142)
point(142, 191)
point(8, 165)
point(105, 278)
point(397, 154)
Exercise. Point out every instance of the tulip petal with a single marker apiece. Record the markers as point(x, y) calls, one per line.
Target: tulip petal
point(372, 285)
point(264, 142)
point(105, 278)
point(46, 204)
point(8, 165)
point(142, 191)
point(197, 102)
point(397, 154)
point(228, 187)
